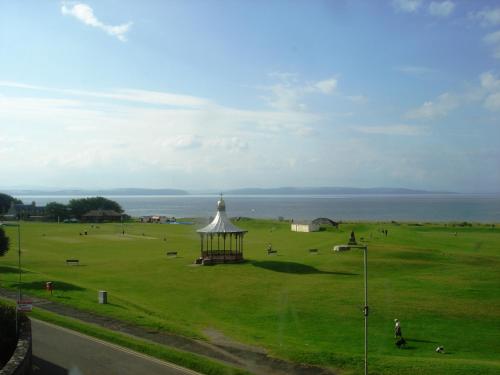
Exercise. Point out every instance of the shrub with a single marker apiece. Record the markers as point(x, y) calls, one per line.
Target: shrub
point(7, 333)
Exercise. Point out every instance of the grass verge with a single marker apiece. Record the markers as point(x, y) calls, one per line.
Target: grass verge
point(178, 357)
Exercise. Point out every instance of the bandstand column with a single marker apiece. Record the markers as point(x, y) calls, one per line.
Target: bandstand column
point(201, 245)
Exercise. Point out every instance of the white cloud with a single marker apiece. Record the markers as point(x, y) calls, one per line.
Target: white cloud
point(326, 87)
point(230, 144)
point(85, 14)
point(285, 97)
point(150, 97)
point(492, 102)
point(98, 131)
point(18, 85)
point(488, 17)
point(489, 81)
point(431, 110)
point(492, 87)
point(493, 39)
point(139, 96)
point(487, 93)
point(289, 94)
point(183, 142)
point(442, 8)
point(357, 98)
point(407, 6)
point(402, 129)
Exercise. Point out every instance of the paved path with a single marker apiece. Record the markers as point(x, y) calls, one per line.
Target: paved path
point(254, 360)
point(59, 351)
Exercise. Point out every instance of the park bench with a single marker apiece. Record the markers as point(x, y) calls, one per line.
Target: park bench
point(72, 262)
point(313, 251)
point(341, 248)
point(172, 254)
point(270, 252)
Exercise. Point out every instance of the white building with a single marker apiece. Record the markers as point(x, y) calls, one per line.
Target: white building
point(305, 227)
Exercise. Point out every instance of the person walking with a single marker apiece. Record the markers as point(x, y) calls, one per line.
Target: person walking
point(397, 329)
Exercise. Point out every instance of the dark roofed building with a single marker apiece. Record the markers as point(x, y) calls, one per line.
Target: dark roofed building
point(325, 221)
point(26, 211)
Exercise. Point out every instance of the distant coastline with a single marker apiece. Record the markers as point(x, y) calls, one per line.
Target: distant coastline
point(326, 190)
point(339, 207)
point(94, 192)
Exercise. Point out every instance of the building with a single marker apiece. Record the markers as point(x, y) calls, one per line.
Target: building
point(158, 219)
point(221, 241)
point(26, 211)
point(305, 227)
point(325, 221)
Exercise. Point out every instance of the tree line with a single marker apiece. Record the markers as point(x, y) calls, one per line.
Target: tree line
point(76, 208)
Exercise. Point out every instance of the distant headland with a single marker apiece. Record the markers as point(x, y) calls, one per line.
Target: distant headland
point(324, 190)
point(330, 190)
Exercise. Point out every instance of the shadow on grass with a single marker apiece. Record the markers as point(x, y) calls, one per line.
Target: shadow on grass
point(57, 285)
point(7, 269)
point(295, 268)
point(115, 305)
point(424, 341)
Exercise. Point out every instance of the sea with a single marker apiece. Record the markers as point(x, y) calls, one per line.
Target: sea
point(407, 208)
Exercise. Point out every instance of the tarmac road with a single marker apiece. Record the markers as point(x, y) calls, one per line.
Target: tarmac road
point(60, 351)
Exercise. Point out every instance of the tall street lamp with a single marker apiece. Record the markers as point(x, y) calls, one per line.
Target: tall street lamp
point(353, 245)
point(19, 295)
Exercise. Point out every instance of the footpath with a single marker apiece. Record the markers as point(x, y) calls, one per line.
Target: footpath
point(252, 359)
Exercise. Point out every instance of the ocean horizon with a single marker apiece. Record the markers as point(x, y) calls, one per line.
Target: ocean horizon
point(412, 207)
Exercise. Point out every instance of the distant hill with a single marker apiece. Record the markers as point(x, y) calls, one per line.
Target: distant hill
point(325, 190)
point(329, 191)
point(120, 191)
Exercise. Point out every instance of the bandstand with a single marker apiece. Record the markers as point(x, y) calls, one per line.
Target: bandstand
point(221, 241)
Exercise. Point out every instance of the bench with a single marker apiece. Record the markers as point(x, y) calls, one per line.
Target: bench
point(313, 251)
point(270, 252)
point(341, 248)
point(172, 254)
point(72, 262)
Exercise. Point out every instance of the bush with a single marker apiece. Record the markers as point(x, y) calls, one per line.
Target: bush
point(78, 207)
point(4, 242)
point(7, 333)
point(5, 202)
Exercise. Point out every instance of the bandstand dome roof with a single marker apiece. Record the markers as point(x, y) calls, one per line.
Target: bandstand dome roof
point(221, 223)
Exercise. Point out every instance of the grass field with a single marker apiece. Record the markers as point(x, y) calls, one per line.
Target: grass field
point(441, 281)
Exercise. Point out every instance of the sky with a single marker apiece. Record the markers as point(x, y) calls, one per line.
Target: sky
point(225, 94)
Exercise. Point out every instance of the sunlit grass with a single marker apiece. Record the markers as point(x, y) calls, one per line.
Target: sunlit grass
point(440, 281)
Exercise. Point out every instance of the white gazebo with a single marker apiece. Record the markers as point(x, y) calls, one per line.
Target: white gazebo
point(221, 240)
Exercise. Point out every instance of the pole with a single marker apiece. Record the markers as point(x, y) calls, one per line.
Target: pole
point(366, 309)
point(19, 295)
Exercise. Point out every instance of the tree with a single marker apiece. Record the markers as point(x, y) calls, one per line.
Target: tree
point(4, 242)
point(56, 210)
point(5, 201)
point(79, 207)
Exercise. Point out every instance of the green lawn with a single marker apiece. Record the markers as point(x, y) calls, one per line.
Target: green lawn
point(304, 307)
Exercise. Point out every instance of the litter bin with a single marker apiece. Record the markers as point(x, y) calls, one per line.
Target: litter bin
point(103, 297)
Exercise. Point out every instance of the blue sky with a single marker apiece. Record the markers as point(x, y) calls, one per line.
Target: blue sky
point(227, 94)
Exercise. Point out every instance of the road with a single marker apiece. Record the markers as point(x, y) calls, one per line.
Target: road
point(59, 351)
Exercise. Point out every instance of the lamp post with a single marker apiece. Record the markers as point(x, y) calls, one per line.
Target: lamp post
point(365, 308)
point(19, 295)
